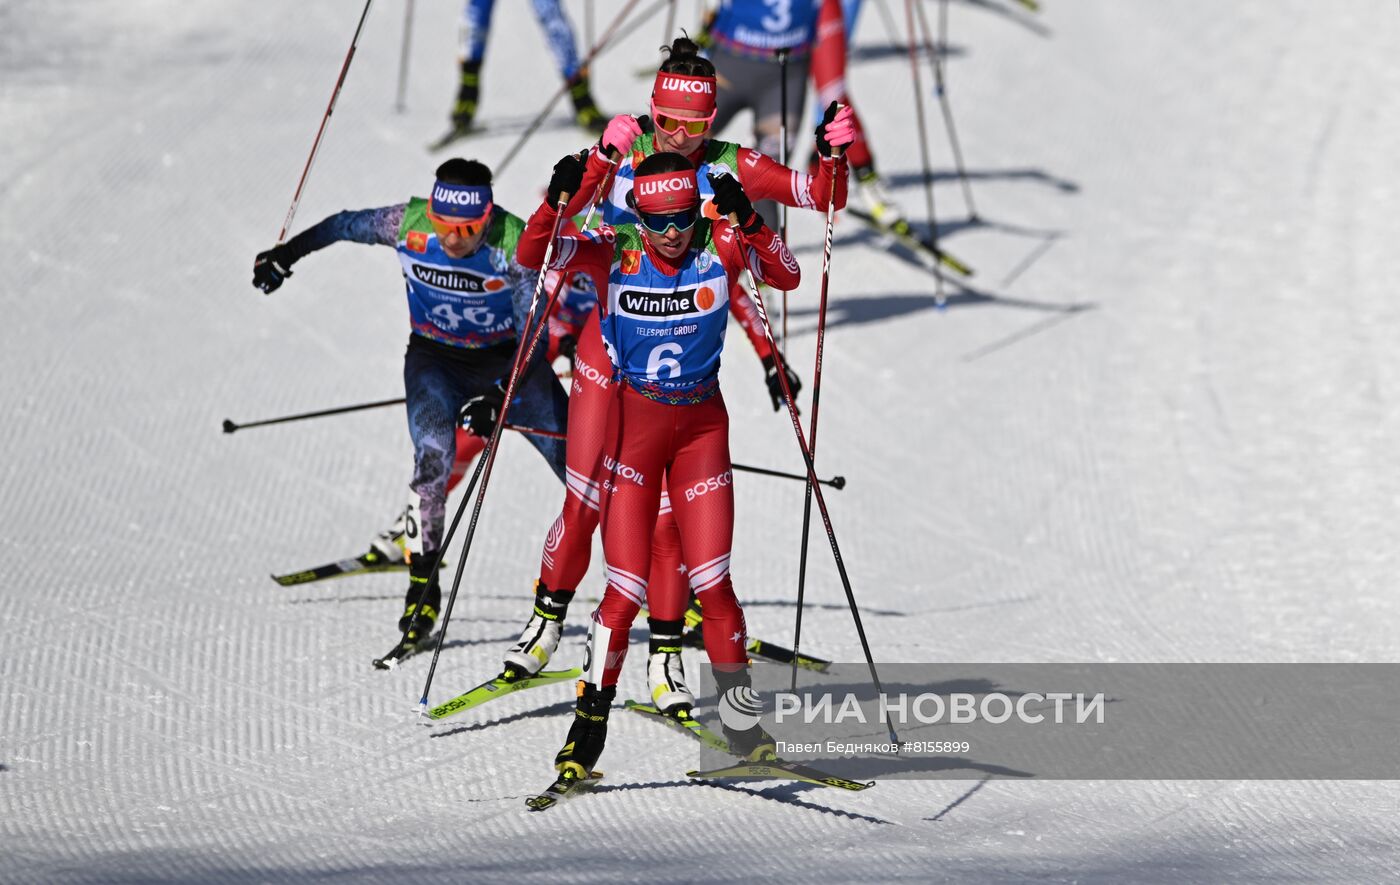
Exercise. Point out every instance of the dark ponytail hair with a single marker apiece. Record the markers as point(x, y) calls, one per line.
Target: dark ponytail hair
point(683, 57)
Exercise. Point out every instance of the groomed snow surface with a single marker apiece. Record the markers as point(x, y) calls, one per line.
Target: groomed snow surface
point(1159, 426)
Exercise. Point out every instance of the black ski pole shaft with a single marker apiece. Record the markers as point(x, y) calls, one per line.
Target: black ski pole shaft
point(488, 456)
point(231, 426)
point(812, 420)
point(783, 158)
point(923, 145)
point(781, 366)
point(938, 54)
point(583, 65)
point(399, 104)
point(836, 482)
point(325, 118)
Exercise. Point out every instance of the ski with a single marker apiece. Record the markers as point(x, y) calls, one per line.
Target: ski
point(499, 687)
point(571, 782)
point(456, 133)
point(773, 768)
point(695, 638)
point(777, 769)
point(681, 721)
point(403, 651)
point(921, 247)
point(369, 562)
point(365, 563)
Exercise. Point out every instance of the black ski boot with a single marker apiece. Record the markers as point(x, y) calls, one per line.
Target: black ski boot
point(418, 618)
point(586, 113)
point(464, 111)
point(589, 731)
point(751, 744)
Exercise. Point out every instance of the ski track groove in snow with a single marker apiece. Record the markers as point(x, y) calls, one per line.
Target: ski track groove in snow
point(1195, 469)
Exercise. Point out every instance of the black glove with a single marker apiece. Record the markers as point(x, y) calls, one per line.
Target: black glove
point(270, 268)
point(824, 146)
point(568, 348)
point(481, 413)
point(730, 199)
point(567, 178)
point(775, 386)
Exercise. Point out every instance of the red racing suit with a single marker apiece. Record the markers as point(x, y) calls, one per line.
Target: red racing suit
point(662, 435)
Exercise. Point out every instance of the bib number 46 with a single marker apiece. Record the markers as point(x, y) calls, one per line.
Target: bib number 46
point(451, 320)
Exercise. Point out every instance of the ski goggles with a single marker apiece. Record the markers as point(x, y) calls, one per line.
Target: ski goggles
point(671, 125)
point(462, 227)
point(659, 223)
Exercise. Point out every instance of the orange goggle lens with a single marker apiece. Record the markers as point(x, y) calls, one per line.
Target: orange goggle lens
point(671, 125)
point(464, 229)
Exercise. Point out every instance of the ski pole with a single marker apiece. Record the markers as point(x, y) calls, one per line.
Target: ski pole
point(588, 59)
point(316, 145)
point(839, 156)
point(937, 53)
point(836, 482)
point(783, 159)
point(230, 426)
point(807, 456)
point(923, 149)
point(403, 55)
point(488, 459)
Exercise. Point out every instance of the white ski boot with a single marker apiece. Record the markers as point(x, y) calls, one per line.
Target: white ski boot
point(541, 635)
point(391, 544)
point(665, 670)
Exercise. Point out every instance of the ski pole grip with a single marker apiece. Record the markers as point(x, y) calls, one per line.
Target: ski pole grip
point(838, 149)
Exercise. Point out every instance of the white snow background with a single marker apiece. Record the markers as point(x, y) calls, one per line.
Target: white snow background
point(1160, 427)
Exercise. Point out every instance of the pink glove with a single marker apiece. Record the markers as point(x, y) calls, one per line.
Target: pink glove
point(622, 130)
point(838, 130)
